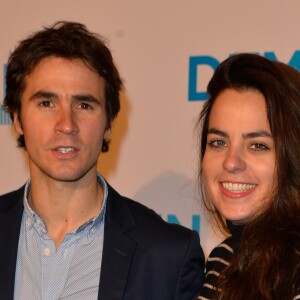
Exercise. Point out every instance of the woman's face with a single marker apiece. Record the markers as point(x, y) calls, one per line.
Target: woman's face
point(239, 160)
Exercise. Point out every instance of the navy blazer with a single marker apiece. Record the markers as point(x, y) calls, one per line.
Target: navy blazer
point(144, 257)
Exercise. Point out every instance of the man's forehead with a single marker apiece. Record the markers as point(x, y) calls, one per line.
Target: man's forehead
point(50, 59)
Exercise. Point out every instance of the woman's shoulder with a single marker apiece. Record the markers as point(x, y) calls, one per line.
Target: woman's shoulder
point(221, 255)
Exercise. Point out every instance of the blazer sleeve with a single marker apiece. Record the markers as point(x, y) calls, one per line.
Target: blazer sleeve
point(191, 276)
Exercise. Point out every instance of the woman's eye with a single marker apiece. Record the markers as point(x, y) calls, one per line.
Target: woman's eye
point(259, 147)
point(217, 143)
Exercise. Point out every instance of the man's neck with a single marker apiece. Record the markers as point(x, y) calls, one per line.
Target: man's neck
point(64, 206)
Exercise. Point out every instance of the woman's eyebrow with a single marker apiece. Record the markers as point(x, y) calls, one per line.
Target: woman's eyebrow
point(217, 132)
point(248, 135)
point(255, 134)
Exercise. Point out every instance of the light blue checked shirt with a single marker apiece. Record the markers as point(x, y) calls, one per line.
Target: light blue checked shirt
point(70, 272)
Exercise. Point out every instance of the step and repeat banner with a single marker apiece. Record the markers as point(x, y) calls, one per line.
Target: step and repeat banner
point(166, 51)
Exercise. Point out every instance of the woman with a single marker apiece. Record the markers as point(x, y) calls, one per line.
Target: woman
point(250, 179)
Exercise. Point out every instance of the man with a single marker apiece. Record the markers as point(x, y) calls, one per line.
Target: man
point(67, 234)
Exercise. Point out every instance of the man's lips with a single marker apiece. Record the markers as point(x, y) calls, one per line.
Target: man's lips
point(65, 149)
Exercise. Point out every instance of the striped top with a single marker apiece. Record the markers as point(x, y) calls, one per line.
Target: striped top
point(218, 260)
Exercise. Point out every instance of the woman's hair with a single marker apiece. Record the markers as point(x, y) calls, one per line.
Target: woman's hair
point(267, 264)
point(67, 40)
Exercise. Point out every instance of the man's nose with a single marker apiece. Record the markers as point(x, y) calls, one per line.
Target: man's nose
point(66, 121)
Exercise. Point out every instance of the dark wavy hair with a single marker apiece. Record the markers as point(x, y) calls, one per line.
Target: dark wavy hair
point(67, 40)
point(267, 264)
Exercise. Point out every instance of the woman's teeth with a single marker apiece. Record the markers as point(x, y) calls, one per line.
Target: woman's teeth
point(237, 187)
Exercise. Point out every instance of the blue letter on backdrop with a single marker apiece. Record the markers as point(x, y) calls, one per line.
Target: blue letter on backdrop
point(195, 61)
point(4, 117)
point(294, 61)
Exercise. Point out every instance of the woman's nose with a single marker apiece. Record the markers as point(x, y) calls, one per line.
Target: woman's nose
point(234, 161)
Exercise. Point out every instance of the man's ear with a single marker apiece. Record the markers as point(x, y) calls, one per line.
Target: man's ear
point(107, 133)
point(18, 124)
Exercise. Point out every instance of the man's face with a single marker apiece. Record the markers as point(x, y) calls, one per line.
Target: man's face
point(63, 119)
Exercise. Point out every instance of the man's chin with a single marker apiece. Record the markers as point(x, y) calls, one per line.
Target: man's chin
point(68, 176)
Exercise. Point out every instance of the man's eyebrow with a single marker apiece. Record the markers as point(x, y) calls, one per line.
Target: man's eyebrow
point(43, 94)
point(50, 95)
point(86, 98)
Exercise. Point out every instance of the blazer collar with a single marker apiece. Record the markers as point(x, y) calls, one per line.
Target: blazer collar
point(118, 248)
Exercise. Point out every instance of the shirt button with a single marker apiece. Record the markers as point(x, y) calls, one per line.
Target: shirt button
point(47, 251)
point(28, 221)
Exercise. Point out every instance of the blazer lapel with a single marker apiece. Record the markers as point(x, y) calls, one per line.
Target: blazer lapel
point(10, 222)
point(118, 249)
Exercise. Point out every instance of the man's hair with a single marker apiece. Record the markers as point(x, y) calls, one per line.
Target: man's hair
point(67, 40)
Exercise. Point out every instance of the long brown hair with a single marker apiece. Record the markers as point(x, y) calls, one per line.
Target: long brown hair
point(267, 264)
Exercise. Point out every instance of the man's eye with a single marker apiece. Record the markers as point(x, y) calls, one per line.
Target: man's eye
point(85, 106)
point(259, 147)
point(46, 103)
point(217, 143)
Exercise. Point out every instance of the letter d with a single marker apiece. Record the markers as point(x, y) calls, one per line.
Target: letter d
point(194, 63)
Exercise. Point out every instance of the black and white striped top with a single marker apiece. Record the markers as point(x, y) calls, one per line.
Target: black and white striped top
point(218, 260)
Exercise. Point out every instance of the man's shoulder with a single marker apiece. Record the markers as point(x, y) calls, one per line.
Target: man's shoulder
point(10, 199)
point(149, 221)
